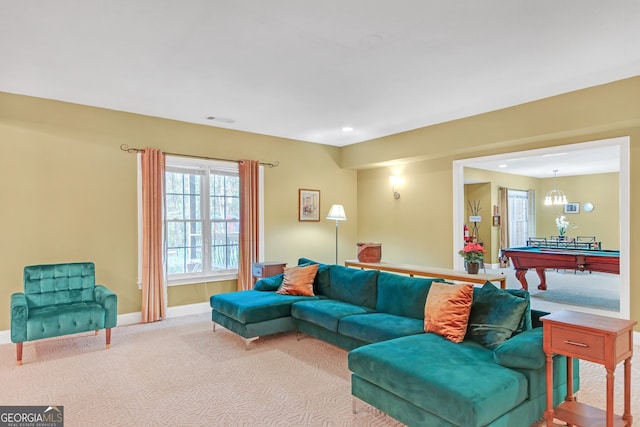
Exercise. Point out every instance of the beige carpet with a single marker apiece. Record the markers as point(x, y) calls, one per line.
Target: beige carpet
point(597, 293)
point(180, 373)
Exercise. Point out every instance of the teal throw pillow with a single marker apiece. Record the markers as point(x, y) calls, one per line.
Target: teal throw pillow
point(526, 322)
point(524, 351)
point(495, 316)
point(269, 283)
point(321, 283)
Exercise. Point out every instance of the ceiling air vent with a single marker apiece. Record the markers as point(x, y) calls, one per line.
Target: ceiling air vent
point(221, 119)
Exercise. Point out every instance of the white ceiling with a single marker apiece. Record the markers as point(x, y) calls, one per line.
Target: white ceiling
point(592, 157)
point(303, 70)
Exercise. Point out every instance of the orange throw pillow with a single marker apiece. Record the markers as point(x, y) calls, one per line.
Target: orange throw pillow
point(298, 281)
point(446, 311)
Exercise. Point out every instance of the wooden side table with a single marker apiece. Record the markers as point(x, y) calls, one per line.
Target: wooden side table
point(598, 339)
point(267, 269)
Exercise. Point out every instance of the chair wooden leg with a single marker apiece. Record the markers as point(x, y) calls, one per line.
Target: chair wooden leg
point(108, 335)
point(19, 353)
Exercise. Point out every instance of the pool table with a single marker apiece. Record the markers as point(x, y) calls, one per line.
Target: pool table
point(526, 257)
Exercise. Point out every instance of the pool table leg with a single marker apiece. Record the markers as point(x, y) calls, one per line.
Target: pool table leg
point(543, 278)
point(520, 275)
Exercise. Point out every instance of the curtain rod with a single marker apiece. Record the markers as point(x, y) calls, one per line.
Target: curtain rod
point(125, 147)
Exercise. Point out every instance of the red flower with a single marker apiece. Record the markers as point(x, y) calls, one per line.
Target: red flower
point(472, 252)
point(473, 247)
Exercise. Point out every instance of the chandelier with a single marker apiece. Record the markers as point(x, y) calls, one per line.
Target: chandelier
point(555, 196)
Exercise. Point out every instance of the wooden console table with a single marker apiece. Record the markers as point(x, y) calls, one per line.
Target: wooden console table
point(598, 339)
point(416, 270)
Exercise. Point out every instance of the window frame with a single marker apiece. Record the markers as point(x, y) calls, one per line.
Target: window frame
point(203, 166)
point(512, 196)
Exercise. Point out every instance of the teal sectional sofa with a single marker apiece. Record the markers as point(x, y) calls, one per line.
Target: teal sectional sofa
point(421, 379)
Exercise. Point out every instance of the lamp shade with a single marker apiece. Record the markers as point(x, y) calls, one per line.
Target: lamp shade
point(337, 213)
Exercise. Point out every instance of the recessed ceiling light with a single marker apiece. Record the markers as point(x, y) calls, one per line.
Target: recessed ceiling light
point(347, 129)
point(502, 166)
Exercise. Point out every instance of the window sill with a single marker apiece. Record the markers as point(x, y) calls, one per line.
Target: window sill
point(194, 280)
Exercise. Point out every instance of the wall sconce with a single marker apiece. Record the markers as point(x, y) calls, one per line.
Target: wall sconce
point(395, 181)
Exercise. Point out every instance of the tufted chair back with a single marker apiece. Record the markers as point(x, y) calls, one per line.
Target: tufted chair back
point(59, 283)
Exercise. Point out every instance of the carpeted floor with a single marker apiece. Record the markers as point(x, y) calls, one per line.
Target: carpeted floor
point(180, 373)
point(567, 297)
point(597, 293)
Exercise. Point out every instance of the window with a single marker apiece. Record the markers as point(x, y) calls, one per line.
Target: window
point(202, 219)
point(519, 220)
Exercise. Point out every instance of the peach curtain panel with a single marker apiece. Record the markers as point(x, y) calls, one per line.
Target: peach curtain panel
point(249, 221)
point(153, 275)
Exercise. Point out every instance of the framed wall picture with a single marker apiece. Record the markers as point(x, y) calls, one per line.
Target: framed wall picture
point(572, 208)
point(308, 205)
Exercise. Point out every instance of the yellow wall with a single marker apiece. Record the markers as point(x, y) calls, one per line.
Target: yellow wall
point(69, 193)
point(496, 180)
point(479, 196)
point(408, 228)
point(599, 112)
point(418, 228)
point(405, 226)
point(602, 190)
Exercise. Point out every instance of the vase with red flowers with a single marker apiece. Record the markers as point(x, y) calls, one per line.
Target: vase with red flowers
point(473, 254)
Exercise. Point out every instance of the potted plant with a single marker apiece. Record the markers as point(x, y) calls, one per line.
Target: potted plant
point(473, 254)
point(563, 225)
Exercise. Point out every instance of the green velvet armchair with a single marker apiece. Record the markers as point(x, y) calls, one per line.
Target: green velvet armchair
point(61, 299)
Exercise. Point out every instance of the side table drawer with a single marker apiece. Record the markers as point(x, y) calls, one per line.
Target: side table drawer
point(257, 270)
point(579, 343)
point(267, 269)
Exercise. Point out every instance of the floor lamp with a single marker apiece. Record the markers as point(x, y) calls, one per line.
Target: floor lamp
point(337, 212)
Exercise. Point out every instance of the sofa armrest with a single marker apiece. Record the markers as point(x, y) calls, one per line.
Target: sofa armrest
point(19, 316)
point(109, 301)
point(523, 351)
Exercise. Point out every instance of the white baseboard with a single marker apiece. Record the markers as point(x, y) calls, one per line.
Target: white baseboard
point(189, 310)
point(133, 318)
point(5, 337)
point(129, 319)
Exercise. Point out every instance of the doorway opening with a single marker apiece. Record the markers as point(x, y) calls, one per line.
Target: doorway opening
point(622, 144)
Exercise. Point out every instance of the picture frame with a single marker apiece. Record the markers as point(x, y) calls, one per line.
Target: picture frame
point(308, 205)
point(572, 208)
point(496, 220)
